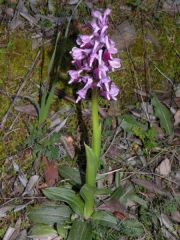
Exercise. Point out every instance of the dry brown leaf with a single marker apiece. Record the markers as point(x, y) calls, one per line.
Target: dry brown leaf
point(152, 187)
point(28, 109)
point(68, 143)
point(119, 215)
point(113, 206)
point(164, 168)
point(50, 172)
point(177, 118)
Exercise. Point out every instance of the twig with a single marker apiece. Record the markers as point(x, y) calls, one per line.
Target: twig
point(26, 78)
point(163, 74)
point(116, 133)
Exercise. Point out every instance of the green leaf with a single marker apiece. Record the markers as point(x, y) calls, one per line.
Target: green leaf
point(80, 231)
point(87, 193)
point(52, 152)
point(118, 177)
point(62, 230)
point(49, 101)
point(66, 195)
point(163, 114)
point(72, 174)
point(42, 230)
point(53, 57)
point(132, 228)
point(128, 122)
point(122, 194)
point(139, 200)
point(102, 191)
point(105, 219)
point(91, 166)
point(50, 215)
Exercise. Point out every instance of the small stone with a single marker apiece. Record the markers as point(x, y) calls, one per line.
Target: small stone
point(171, 6)
point(10, 12)
point(177, 91)
point(176, 216)
point(164, 168)
point(124, 35)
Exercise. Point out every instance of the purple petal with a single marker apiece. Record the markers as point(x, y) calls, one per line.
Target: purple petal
point(114, 90)
point(104, 82)
point(82, 92)
point(107, 12)
point(85, 40)
point(115, 63)
point(74, 74)
point(79, 54)
point(97, 14)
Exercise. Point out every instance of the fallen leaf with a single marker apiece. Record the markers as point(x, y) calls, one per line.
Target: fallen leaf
point(4, 210)
point(175, 216)
point(119, 215)
point(115, 207)
point(51, 172)
point(28, 109)
point(152, 187)
point(9, 233)
point(68, 143)
point(164, 168)
point(29, 190)
point(177, 118)
point(164, 219)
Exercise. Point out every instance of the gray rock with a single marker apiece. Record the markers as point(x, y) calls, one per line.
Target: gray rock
point(124, 35)
point(171, 6)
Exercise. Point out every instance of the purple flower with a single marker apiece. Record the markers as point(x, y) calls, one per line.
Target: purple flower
point(93, 59)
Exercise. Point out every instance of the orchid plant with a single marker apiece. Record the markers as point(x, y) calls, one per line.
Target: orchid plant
point(93, 60)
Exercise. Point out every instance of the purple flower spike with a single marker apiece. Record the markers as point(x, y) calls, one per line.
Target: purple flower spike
point(93, 59)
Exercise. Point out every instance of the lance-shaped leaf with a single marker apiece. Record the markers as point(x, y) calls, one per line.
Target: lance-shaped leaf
point(163, 114)
point(50, 214)
point(91, 166)
point(105, 219)
point(42, 230)
point(80, 231)
point(72, 174)
point(66, 195)
point(87, 193)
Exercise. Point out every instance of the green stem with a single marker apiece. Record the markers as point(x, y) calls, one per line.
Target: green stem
point(92, 156)
point(96, 136)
